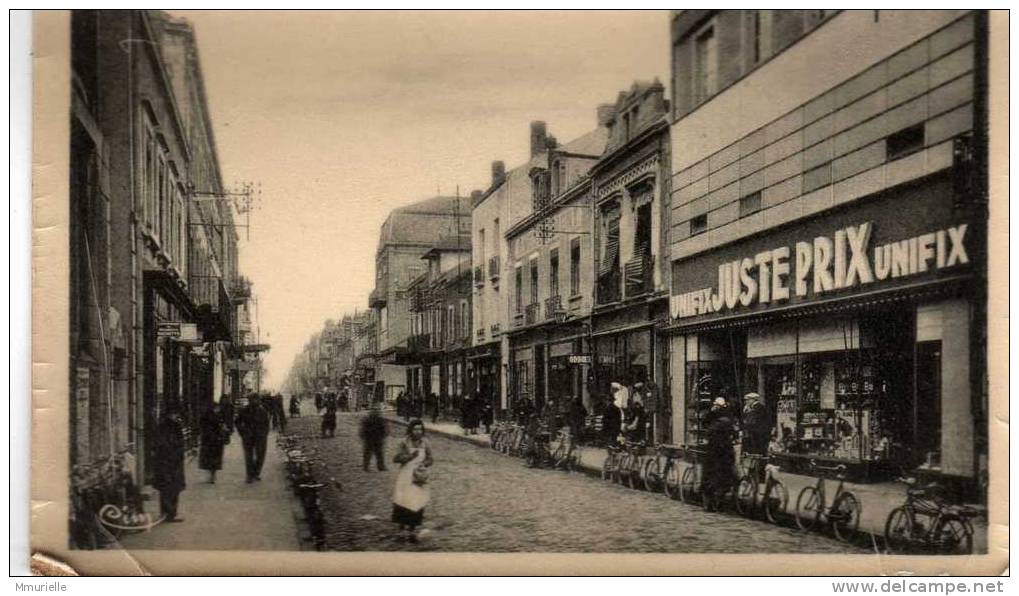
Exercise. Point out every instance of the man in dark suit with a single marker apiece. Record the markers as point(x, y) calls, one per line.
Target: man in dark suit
point(253, 426)
point(170, 450)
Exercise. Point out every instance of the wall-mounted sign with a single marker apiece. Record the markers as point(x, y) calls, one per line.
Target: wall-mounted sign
point(845, 259)
point(905, 236)
point(168, 329)
point(580, 359)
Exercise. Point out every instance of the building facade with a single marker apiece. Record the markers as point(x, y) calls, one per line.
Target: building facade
point(631, 215)
point(153, 249)
point(406, 235)
point(550, 274)
point(827, 233)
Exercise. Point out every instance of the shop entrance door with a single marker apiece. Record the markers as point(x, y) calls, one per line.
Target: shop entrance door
point(539, 377)
point(927, 408)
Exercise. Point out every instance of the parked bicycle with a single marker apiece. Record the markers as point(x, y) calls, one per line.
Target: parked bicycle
point(300, 466)
point(566, 452)
point(538, 454)
point(749, 496)
point(614, 453)
point(927, 521)
point(690, 481)
point(844, 513)
point(659, 476)
point(628, 472)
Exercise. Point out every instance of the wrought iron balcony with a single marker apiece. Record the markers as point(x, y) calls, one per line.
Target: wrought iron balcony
point(479, 276)
point(495, 329)
point(493, 267)
point(421, 342)
point(553, 306)
point(518, 319)
point(531, 313)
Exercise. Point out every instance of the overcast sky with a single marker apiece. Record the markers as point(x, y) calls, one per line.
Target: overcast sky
point(343, 116)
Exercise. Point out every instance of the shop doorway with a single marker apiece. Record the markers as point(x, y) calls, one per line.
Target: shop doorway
point(927, 427)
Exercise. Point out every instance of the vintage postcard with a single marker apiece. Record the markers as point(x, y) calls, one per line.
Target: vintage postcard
point(712, 292)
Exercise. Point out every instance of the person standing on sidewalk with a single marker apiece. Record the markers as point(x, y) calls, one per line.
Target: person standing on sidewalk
point(170, 450)
point(213, 434)
point(253, 426)
point(411, 493)
point(373, 438)
point(329, 417)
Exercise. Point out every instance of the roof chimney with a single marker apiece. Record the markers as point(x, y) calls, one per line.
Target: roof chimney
point(605, 112)
point(538, 137)
point(476, 196)
point(498, 173)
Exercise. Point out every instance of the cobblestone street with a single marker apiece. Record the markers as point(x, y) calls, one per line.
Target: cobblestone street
point(483, 501)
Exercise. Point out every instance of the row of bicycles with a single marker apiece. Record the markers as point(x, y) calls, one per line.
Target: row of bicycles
point(925, 522)
point(539, 450)
point(305, 472)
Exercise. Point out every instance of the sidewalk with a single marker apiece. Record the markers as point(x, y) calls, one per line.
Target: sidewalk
point(877, 499)
point(228, 515)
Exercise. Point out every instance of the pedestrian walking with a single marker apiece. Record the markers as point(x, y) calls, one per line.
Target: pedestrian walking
point(212, 434)
point(329, 417)
point(295, 407)
point(169, 477)
point(487, 414)
point(411, 493)
point(253, 426)
point(432, 405)
point(373, 438)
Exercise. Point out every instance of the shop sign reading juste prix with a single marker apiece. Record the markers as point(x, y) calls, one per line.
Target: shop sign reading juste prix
point(828, 263)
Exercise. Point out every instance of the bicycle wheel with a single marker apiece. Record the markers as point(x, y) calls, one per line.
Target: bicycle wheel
point(808, 508)
point(746, 495)
point(633, 479)
point(652, 475)
point(775, 501)
point(559, 456)
point(671, 479)
point(952, 536)
point(845, 516)
point(898, 530)
point(688, 485)
point(608, 467)
point(622, 466)
point(574, 459)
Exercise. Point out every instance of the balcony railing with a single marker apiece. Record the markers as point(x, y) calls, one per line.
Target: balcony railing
point(531, 313)
point(553, 306)
point(421, 342)
point(610, 287)
point(479, 276)
point(493, 267)
point(518, 319)
point(495, 329)
point(480, 334)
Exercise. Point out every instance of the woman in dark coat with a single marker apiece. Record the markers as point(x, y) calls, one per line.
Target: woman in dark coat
point(213, 433)
point(720, 463)
point(169, 480)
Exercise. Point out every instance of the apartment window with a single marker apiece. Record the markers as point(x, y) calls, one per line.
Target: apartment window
point(906, 141)
point(481, 247)
point(534, 281)
point(750, 204)
point(495, 236)
point(574, 266)
point(553, 272)
point(519, 288)
point(705, 64)
point(754, 26)
point(465, 328)
point(699, 224)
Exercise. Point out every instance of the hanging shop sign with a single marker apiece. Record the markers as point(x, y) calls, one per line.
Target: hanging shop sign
point(822, 258)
